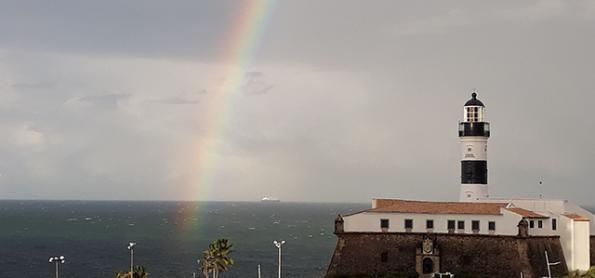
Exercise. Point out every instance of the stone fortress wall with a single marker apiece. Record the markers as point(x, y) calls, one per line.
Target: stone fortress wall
point(461, 254)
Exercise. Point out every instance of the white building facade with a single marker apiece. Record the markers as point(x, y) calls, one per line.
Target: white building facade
point(487, 217)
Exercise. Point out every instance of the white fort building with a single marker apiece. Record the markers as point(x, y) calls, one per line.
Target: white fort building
point(477, 212)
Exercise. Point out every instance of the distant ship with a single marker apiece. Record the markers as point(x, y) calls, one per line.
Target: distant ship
point(270, 200)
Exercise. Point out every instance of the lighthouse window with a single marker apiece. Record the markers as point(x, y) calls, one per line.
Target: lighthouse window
point(554, 224)
point(531, 224)
point(472, 114)
point(540, 224)
point(492, 225)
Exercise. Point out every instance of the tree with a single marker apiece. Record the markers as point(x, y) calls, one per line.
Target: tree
point(217, 258)
point(207, 264)
point(138, 271)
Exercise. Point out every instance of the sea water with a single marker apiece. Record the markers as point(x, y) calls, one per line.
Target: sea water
point(170, 236)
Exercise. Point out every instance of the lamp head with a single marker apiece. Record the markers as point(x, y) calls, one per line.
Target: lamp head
point(278, 244)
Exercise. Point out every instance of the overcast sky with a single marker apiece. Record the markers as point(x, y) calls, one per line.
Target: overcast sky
point(343, 100)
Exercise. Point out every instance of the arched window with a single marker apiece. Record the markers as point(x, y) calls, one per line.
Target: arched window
point(427, 266)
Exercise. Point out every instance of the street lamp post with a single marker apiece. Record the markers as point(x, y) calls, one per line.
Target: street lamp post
point(279, 244)
point(198, 262)
point(57, 260)
point(131, 248)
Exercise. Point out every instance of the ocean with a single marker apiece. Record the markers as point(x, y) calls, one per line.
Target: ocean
point(170, 236)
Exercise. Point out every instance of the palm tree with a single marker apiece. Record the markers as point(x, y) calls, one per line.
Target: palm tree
point(217, 258)
point(222, 251)
point(207, 264)
point(139, 271)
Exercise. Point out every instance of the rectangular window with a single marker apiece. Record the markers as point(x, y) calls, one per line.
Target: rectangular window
point(492, 225)
point(461, 225)
point(554, 224)
point(429, 224)
point(408, 223)
point(531, 224)
point(384, 223)
point(451, 224)
point(475, 225)
point(540, 224)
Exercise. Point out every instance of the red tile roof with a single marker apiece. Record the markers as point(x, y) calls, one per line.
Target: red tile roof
point(576, 217)
point(526, 213)
point(406, 206)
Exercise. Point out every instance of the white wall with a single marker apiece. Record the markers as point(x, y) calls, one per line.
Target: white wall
point(548, 207)
point(551, 205)
point(566, 239)
point(474, 148)
point(573, 208)
point(575, 240)
point(546, 229)
point(506, 224)
point(582, 245)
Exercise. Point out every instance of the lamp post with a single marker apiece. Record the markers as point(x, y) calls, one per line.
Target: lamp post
point(131, 248)
point(279, 244)
point(57, 260)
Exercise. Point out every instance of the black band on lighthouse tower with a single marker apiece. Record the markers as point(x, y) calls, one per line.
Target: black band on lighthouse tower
point(474, 172)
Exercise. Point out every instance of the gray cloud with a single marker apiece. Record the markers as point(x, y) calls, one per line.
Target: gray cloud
point(174, 100)
point(353, 101)
point(256, 83)
point(32, 86)
point(107, 101)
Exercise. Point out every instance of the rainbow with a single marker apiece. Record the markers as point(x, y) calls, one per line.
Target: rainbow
point(240, 46)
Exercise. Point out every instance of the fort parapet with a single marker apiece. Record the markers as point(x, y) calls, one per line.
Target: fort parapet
point(466, 255)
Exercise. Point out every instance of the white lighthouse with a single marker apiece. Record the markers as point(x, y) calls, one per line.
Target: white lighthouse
point(474, 132)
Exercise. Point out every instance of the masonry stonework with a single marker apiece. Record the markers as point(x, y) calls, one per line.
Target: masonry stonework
point(462, 254)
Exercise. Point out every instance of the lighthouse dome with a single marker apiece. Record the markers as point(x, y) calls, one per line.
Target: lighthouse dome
point(474, 101)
